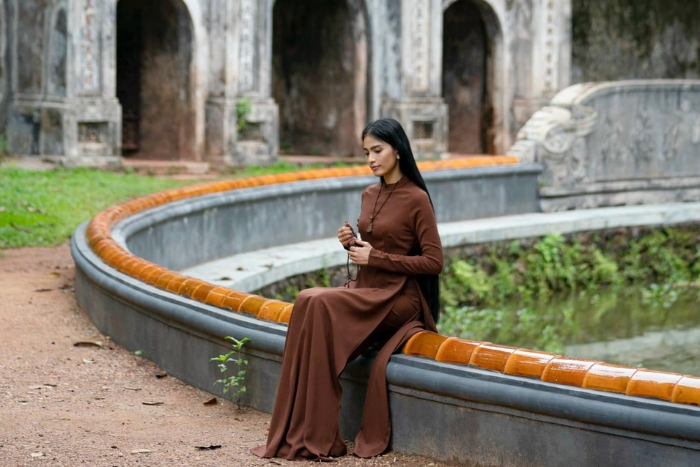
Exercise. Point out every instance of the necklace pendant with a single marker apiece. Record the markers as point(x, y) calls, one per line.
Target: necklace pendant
point(369, 227)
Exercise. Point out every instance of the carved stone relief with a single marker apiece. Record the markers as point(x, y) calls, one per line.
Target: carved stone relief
point(642, 138)
point(696, 130)
point(611, 147)
point(549, 47)
point(578, 162)
point(674, 139)
point(420, 46)
point(247, 45)
point(90, 47)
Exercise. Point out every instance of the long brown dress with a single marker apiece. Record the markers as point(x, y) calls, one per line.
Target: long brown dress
point(329, 327)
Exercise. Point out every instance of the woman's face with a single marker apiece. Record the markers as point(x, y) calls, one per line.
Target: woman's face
point(381, 157)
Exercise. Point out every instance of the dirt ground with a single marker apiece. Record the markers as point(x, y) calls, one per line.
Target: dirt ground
point(97, 404)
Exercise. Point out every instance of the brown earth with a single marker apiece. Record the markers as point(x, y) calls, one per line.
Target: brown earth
point(68, 405)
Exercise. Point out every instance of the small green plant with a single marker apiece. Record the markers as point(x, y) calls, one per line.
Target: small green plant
point(243, 109)
point(235, 384)
point(139, 353)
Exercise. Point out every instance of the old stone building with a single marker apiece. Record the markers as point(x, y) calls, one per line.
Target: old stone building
point(92, 81)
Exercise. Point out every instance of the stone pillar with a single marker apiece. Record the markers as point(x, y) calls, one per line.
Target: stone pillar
point(64, 107)
point(240, 84)
point(420, 107)
point(92, 121)
point(541, 54)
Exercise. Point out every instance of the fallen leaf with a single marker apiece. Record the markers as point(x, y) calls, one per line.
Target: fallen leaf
point(211, 401)
point(161, 374)
point(51, 385)
point(43, 290)
point(132, 389)
point(224, 278)
point(274, 462)
point(88, 360)
point(36, 386)
point(37, 454)
point(88, 344)
point(53, 274)
point(240, 268)
point(152, 403)
point(141, 451)
point(211, 447)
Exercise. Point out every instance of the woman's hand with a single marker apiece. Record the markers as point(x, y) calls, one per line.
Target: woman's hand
point(345, 235)
point(359, 253)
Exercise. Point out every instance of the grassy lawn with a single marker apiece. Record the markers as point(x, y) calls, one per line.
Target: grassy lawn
point(43, 208)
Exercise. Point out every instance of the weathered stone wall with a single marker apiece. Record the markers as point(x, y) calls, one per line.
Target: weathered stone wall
point(328, 67)
point(635, 39)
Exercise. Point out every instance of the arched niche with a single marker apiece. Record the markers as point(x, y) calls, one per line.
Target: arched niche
point(320, 75)
point(57, 53)
point(472, 75)
point(162, 65)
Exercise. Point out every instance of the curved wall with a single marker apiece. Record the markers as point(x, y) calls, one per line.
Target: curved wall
point(533, 410)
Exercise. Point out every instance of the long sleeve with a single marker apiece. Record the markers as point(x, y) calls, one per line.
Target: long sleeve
point(430, 260)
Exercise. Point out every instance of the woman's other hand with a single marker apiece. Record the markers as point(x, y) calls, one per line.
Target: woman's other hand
point(345, 235)
point(359, 253)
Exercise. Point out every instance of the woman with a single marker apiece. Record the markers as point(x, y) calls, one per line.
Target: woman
point(395, 295)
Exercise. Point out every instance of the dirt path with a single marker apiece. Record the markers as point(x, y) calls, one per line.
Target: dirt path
point(68, 405)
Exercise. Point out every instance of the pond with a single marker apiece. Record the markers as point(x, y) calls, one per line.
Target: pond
point(655, 327)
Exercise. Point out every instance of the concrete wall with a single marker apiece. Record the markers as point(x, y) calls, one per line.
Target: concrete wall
point(607, 144)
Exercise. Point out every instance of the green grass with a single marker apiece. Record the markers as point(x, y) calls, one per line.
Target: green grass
point(43, 208)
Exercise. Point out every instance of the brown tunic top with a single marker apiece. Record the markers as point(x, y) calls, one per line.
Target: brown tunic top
point(331, 326)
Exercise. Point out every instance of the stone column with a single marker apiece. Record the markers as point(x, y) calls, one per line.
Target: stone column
point(420, 107)
point(63, 96)
point(240, 85)
point(541, 54)
point(92, 119)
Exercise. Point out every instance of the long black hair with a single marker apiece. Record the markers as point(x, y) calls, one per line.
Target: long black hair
point(391, 132)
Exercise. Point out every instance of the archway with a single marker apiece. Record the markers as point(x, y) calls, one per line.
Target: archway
point(156, 82)
point(319, 75)
point(467, 78)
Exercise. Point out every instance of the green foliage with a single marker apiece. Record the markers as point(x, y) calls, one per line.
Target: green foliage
point(554, 264)
point(43, 208)
point(243, 109)
point(235, 384)
point(586, 288)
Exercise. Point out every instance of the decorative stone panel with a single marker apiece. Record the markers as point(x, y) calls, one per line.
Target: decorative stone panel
point(606, 144)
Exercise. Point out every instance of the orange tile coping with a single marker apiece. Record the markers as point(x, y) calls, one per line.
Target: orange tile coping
point(528, 363)
point(491, 357)
point(657, 384)
point(508, 360)
point(570, 371)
